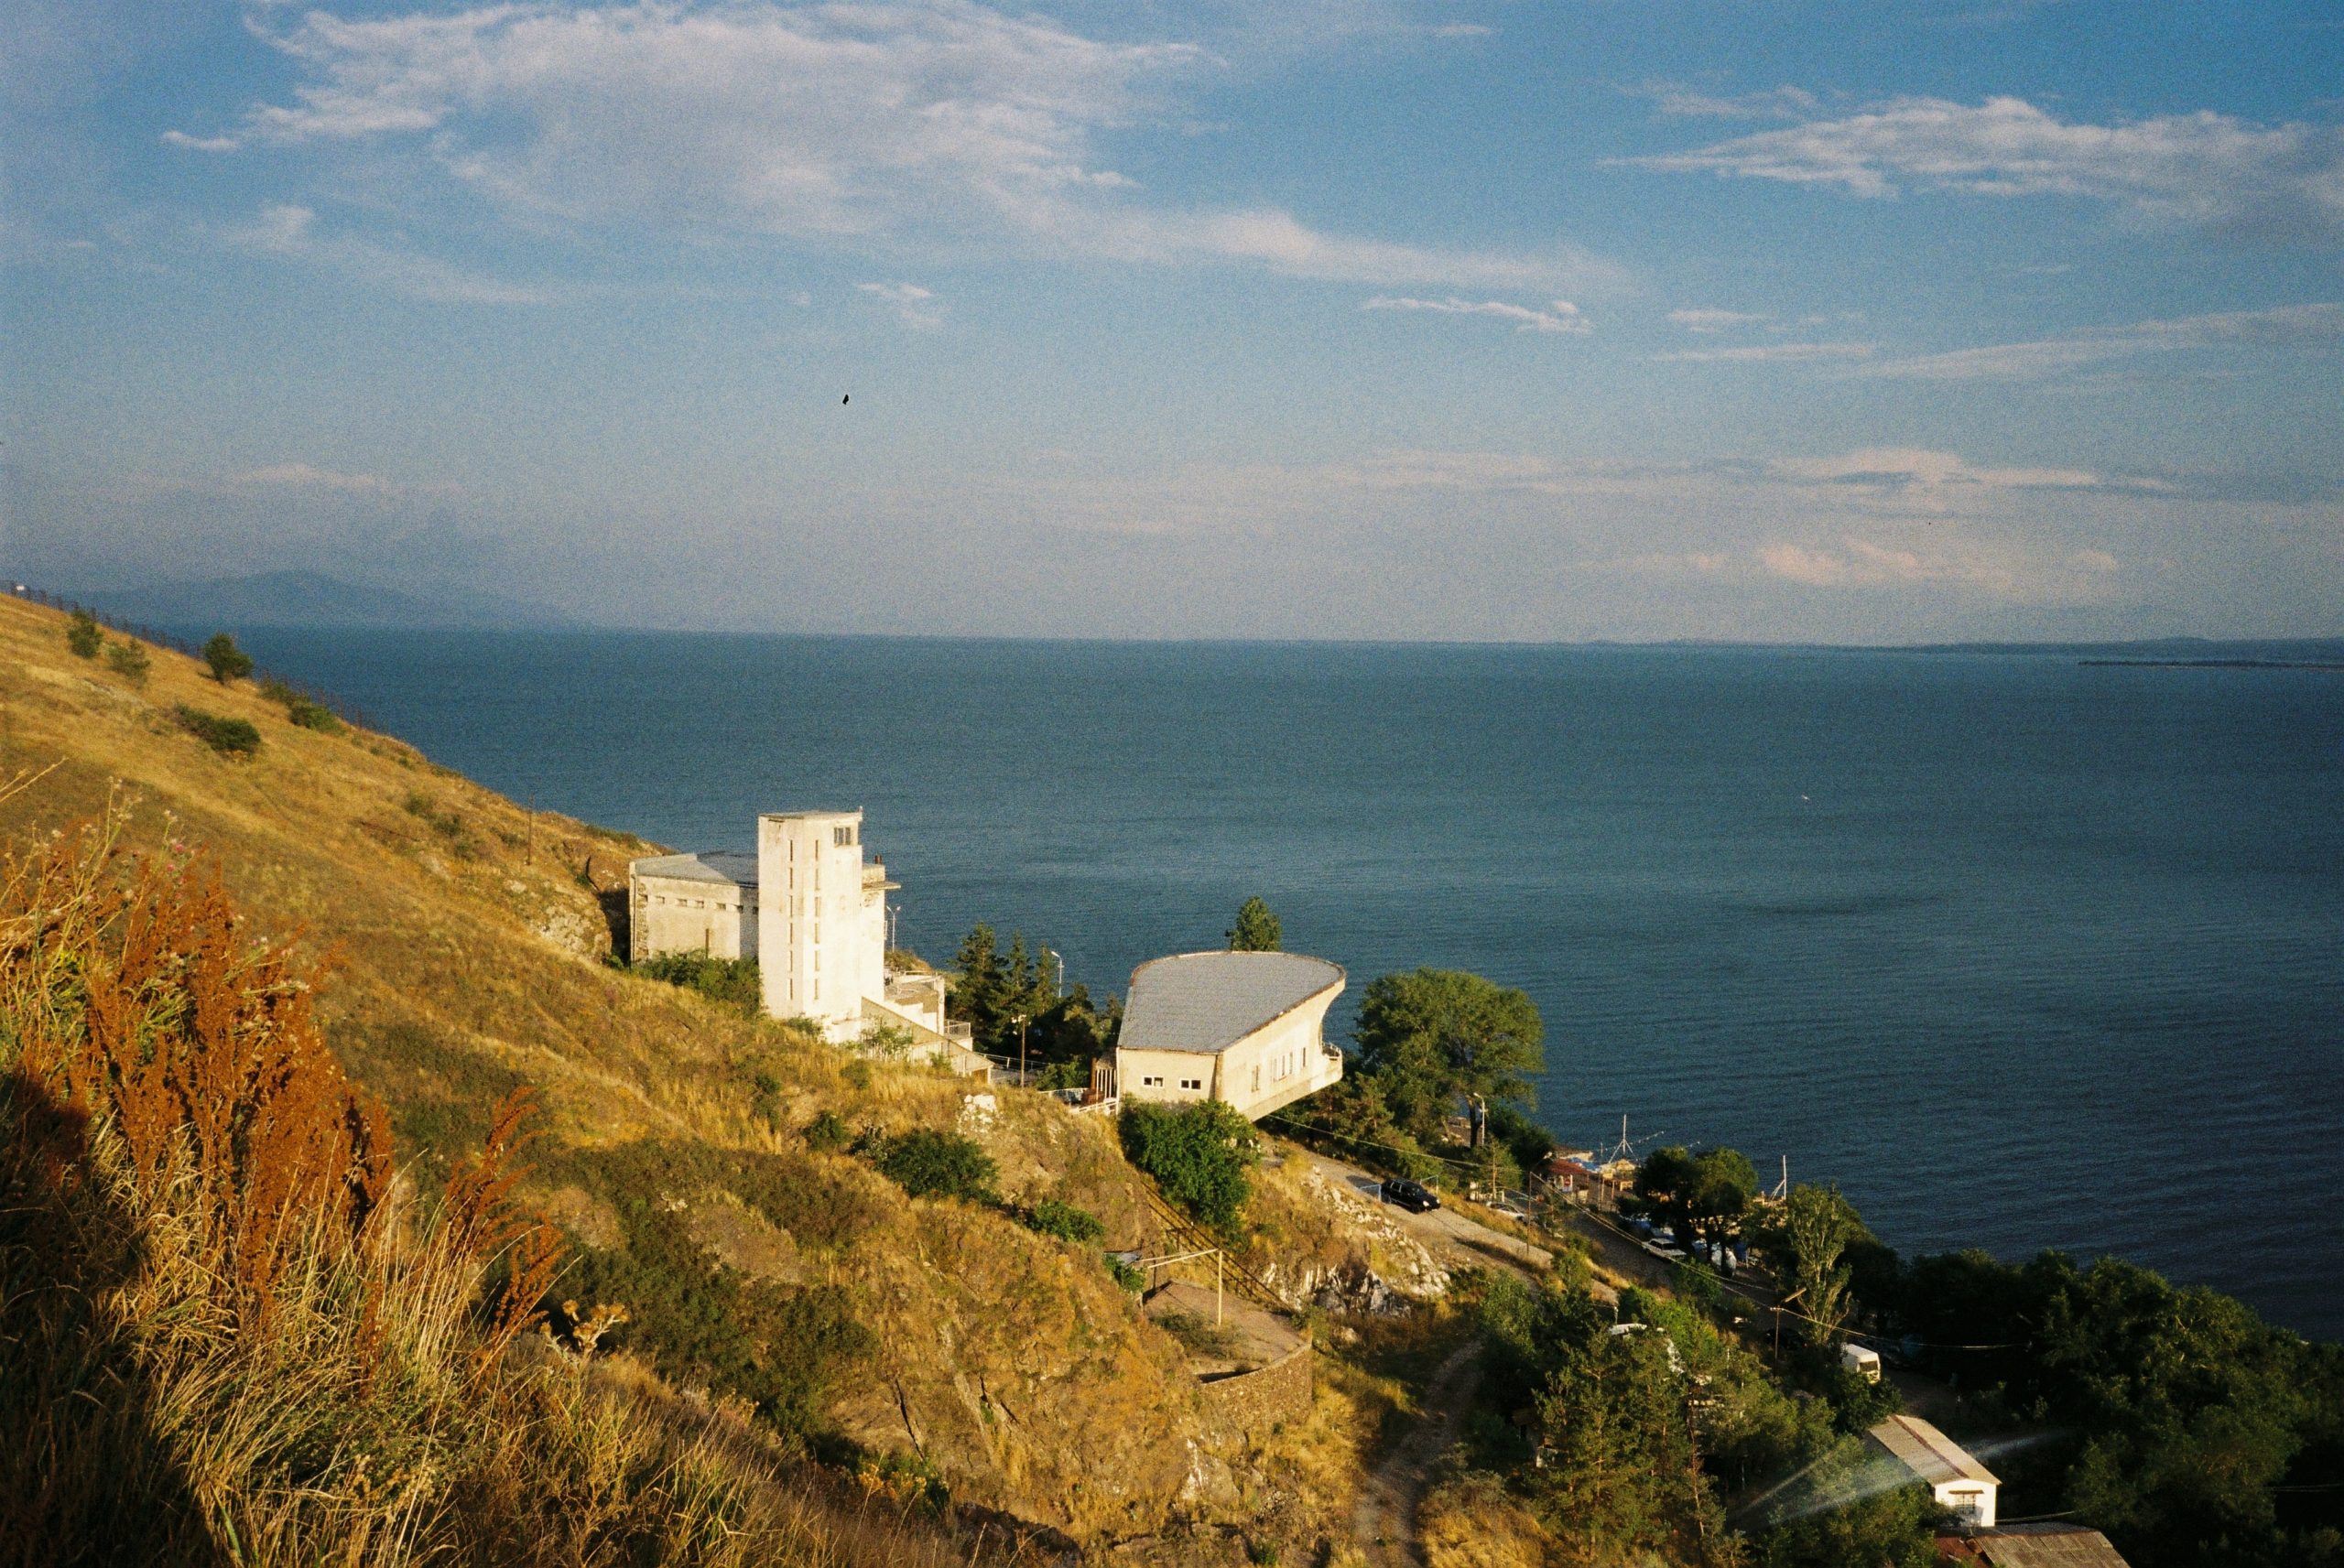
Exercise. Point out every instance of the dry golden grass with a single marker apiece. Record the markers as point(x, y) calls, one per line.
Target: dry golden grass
point(464, 941)
point(223, 1341)
point(1473, 1522)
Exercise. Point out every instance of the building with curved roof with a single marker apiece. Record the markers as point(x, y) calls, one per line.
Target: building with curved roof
point(1242, 1028)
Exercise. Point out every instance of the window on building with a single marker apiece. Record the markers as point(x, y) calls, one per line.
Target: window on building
point(1192, 1083)
point(1151, 1082)
point(1257, 1077)
point(843, 837)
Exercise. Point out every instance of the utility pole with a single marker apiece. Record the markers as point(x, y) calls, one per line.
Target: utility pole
point(1020, 1051)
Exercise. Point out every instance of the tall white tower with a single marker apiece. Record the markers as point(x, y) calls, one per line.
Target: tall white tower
point(821, 919)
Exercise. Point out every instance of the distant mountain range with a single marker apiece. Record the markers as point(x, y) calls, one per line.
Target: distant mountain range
point(312, 600)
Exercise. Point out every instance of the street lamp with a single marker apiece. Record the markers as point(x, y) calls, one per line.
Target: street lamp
point(1021, 1050)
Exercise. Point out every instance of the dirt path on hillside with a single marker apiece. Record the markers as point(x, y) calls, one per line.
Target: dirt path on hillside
point(1384, 1519)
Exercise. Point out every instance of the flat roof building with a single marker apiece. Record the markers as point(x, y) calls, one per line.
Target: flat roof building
point(692, 903)
point(1241, 1028)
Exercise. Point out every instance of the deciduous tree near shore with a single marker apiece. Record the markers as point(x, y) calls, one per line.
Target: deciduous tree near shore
point(1430, 1036)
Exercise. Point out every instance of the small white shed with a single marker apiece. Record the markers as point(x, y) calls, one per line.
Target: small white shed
point(1958, 1481)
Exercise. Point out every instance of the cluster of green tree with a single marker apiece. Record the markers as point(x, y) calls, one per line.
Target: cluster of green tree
point(1705, 1194)
point(2173, 1419)
point(999, 995)
point(126, 657)
point(1425, 1044)
point(2191, 1431)
point(734, 982)
point(1651, 1435)
point(1201, 1156)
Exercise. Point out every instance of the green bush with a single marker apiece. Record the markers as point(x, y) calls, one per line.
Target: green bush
point(228, 661)
point(1198, 1155)
point(1066, 1222)
point(81, 636)
point(229, 737)
point(128, 660)
point(927, 1163)
point(313, 716)
point(829, 1133)
point(1858, 1404)
point(1131, 1279)
point(732, 982)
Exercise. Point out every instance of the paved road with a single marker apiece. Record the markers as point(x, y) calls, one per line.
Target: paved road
point(1383, 1517)
point(1451, 1236)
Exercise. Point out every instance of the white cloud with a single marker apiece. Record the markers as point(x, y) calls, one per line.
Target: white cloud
point(201, 144)
point(287, 231)
point(299, 475)
point(1562, 316)
point(854, 122)
point(1766, 353)
point(1916, 468)
point(915, 307)
point(2044, 358)
point(1778, 103)
point(2000, 571)
point(1699, 319)
point(2202, 170)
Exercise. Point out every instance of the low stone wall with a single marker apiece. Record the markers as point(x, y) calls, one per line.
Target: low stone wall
point(1251, 1404)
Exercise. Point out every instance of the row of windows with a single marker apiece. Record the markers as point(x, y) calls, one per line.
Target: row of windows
point(1157, 1083)
point(662, 899)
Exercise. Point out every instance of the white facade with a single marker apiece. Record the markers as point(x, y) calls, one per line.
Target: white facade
point(1242, 1028)
point(692, 903)
point(813, 913)
point(821, 919)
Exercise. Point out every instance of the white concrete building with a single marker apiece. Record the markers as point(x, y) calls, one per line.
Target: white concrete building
point(692, 903)
point(821, 919)
point(1242, 1028)
point(813, 912)
point(1954, 1479)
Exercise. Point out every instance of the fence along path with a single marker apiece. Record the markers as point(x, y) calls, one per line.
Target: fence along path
point(1243, 1280)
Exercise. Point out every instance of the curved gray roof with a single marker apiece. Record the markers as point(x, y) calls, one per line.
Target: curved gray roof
point(729, 867)
point(1207, 1002)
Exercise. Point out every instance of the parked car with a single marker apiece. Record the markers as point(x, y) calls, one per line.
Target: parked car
point(1409, 1194)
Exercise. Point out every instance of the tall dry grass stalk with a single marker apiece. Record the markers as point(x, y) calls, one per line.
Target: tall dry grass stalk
point(227, 1334)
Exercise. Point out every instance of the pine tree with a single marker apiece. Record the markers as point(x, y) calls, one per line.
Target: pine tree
point(1257, 930)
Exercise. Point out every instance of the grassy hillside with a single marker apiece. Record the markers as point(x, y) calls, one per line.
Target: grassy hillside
point(915, 1337)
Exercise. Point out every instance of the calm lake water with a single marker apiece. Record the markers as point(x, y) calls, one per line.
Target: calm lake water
point(2023, 953)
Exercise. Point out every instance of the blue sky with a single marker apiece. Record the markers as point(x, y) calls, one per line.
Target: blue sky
point(1466, 319)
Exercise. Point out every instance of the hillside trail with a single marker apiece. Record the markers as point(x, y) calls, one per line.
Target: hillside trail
point(1384, 1519)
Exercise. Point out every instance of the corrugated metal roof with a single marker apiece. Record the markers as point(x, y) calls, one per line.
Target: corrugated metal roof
point(1206, 1002)
point(729, 867)
point(2033, 1546)
point(1928, 1452)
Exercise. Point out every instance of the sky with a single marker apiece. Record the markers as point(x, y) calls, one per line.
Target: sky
point(1754, 320)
